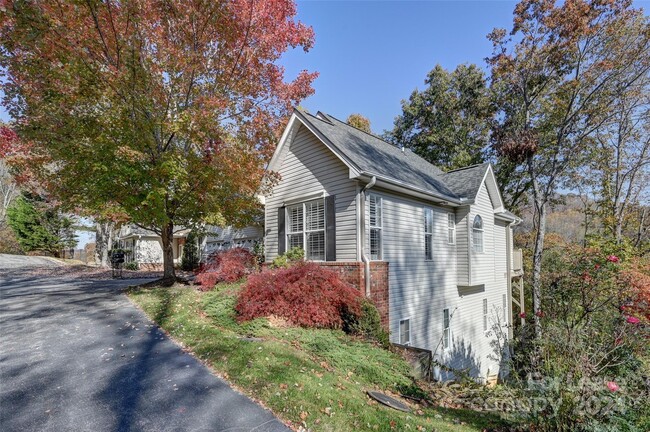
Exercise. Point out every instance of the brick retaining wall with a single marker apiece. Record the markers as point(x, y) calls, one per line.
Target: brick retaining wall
point(353, 273)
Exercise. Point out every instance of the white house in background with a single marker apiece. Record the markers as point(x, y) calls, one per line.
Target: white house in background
point(219, 239)
point(145, 246)
point(346, 196)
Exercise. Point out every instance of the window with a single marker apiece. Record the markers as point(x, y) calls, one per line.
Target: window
point(428, 234)
point(477, 234)
point(375, 227)
point(446, 339)
point(485, 315)
point(405, 332)
point(306, 229)
point(451, 228)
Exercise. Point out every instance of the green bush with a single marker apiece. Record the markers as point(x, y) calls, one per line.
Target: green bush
point(190, 260)
point(586, 371)
point(132, 266)
point(367, 324)
point(289, 258)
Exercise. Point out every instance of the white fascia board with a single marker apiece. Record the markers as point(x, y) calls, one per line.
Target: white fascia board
point(325, 141)
point(289, 131)
point(395, 185)
point(489, 175)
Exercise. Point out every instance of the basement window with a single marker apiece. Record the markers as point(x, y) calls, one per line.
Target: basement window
point(446, 332)
point(405, 332)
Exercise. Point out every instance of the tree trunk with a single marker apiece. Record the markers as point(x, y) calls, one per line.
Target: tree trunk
point(537, 267)
point(169, 274)
point(540, 200)
point(103, 242)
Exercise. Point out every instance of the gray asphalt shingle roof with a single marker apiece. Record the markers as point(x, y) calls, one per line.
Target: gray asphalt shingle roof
point(466, 181)
point(372, 155)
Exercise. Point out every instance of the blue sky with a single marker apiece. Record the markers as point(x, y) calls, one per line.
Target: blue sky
point(373, 54)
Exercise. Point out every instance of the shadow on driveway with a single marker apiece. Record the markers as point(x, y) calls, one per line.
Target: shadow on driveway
point(78, 356)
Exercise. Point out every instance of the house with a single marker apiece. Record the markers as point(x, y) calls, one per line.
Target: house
point(433, 250)
point(218, 239)
point(145, 247)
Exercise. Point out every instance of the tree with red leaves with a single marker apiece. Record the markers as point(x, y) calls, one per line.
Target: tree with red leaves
point(163, 111)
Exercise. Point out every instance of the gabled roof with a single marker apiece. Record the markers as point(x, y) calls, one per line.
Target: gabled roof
point(367, 156)
point(466, 181)
point(371, 155)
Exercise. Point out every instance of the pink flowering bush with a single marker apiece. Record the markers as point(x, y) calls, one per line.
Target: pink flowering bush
point(590, 362)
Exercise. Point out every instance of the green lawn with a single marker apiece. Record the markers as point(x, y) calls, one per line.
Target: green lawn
point(312, 378)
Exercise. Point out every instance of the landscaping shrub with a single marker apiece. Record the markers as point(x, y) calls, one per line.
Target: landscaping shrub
point(587, 369)
point(366, 324)
point(190, 260)
point(304, 294)
point(226, 266)
point(290, 257)
point(132, 266)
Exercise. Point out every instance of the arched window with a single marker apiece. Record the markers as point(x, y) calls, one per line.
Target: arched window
point(477, 234)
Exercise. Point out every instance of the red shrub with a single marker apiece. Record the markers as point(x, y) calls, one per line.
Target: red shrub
point(226, 266)
point(304, 294)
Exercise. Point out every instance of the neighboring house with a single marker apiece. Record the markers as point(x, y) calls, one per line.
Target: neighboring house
point(432, 249)
point(145, 246)
point(219, 239)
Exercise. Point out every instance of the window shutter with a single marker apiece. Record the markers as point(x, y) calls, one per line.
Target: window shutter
point(330, 228)
point(282, 241)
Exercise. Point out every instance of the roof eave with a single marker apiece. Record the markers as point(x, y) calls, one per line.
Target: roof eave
point(392, 184)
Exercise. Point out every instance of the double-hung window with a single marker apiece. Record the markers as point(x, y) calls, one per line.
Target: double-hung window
point(451, 228)
point(446, 332)
point(375, 227)
point(477, 234)
point(306, 228)
point(428, 234)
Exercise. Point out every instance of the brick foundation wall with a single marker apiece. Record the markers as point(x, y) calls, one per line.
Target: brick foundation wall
point(353, 273)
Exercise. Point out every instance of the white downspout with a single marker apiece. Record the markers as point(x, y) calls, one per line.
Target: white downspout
point(364, 257)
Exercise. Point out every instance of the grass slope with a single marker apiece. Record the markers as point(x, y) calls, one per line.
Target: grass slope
point(316, 379)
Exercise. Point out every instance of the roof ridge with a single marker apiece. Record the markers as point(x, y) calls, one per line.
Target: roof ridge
point(365, 132)
point(403, 147)
point(467, 167)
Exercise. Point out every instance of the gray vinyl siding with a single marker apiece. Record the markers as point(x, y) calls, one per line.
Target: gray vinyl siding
point(419, 289)
point(472, 347)
point(462, 245)
point(482, 262)
point(500, 253)
point(308, 168)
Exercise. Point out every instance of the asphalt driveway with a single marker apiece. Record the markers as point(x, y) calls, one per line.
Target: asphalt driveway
point(76, 355)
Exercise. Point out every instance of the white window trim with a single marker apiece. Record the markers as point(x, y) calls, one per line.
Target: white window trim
point(451, 228)
point(399, 331)
point(445, 348)
point(304, 227)
point(428, 235)
point(482, 231)
point(379, 227)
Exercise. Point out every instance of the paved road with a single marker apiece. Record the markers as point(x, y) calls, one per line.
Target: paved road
point(78, 356)
point(19, 261)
